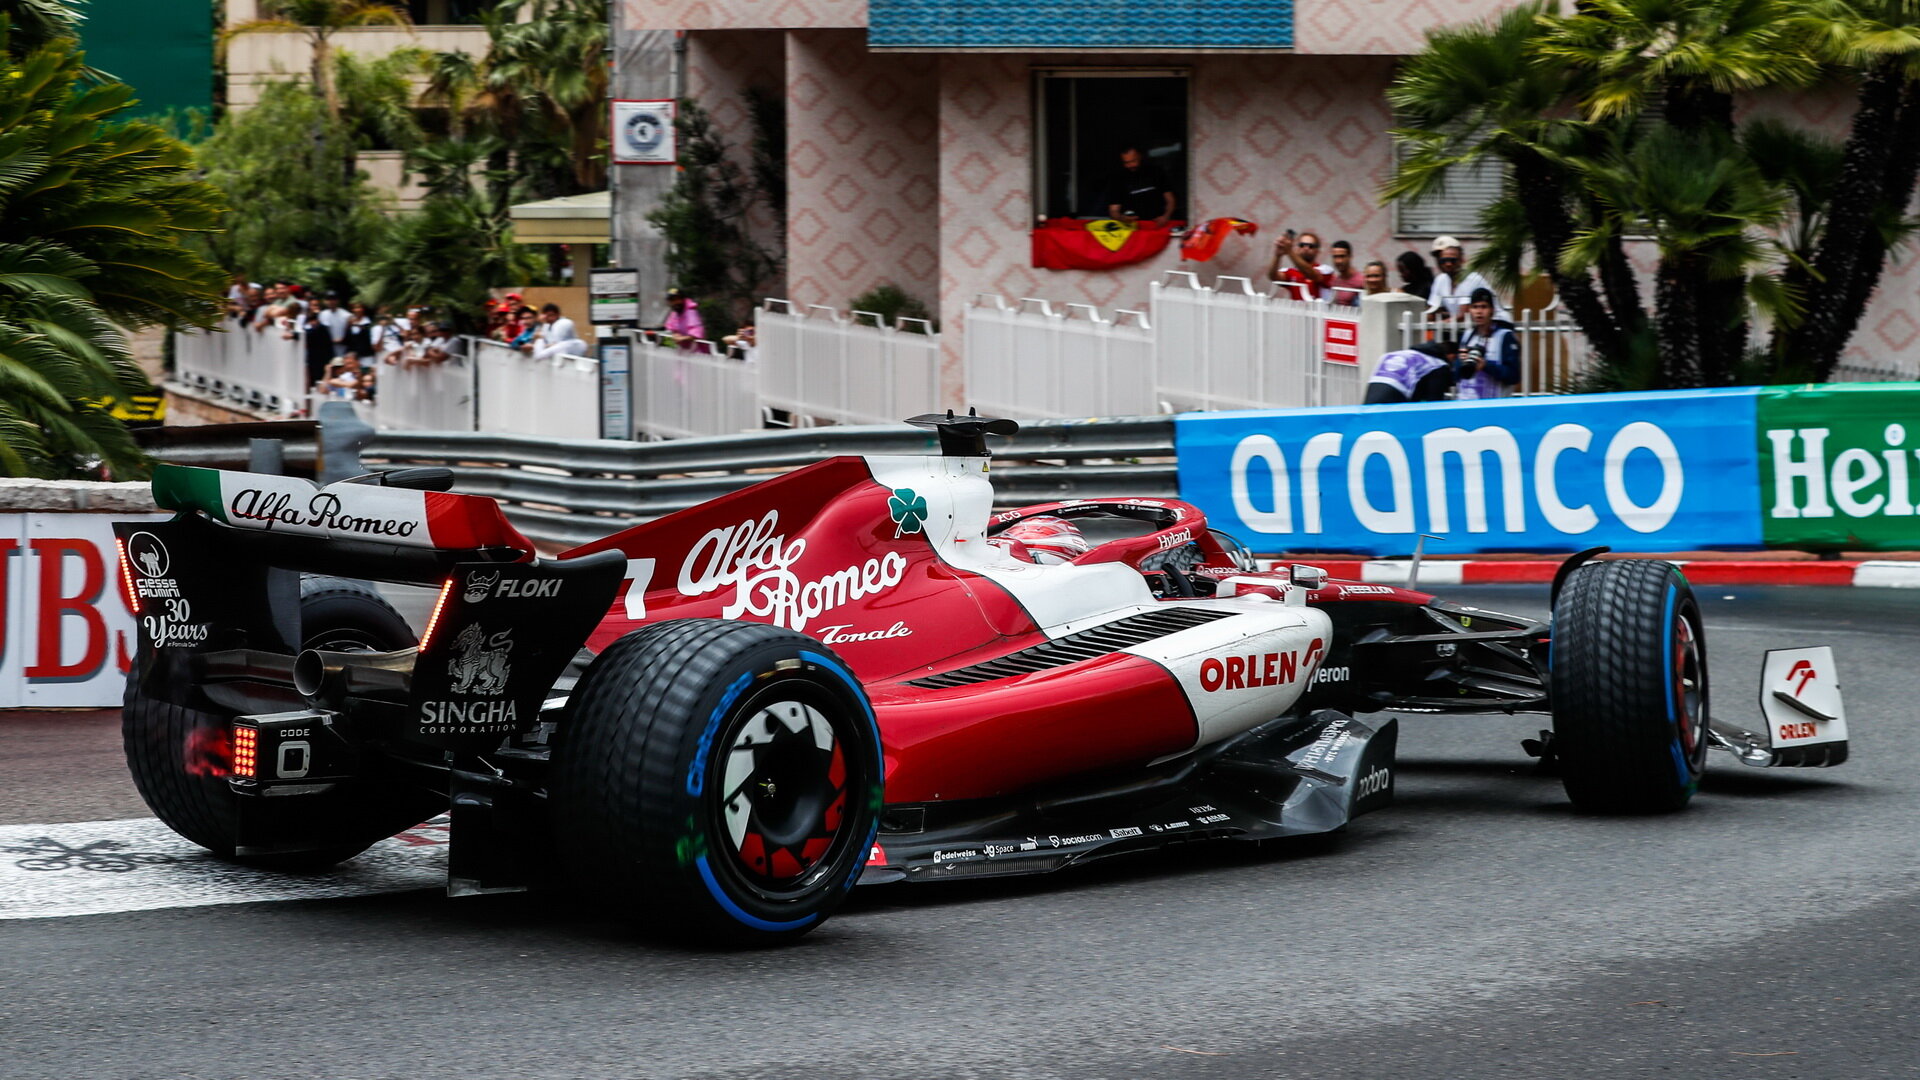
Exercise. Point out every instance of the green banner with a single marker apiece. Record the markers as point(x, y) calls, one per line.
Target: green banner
point(1840, 466)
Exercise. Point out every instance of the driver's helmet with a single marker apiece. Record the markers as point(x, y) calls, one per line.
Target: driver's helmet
point(1045, 539)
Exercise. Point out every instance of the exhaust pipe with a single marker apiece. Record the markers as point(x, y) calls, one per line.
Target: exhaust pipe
point(330, 678)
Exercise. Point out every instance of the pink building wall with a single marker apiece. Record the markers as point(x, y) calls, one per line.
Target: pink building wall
point(722, 65)
point(742, 14)
point(1285, 141)
point(862, 169)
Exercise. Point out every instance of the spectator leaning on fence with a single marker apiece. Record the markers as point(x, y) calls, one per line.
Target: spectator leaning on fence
point(555, 337)
point(1345, 283)
point(684, 326)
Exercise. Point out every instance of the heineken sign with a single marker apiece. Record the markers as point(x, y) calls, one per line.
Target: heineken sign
point(1840, 466)
point(1819, 468)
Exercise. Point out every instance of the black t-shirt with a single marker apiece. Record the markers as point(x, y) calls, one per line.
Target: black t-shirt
point(1141, 191)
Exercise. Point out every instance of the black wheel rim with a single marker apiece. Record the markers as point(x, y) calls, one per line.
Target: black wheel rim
point(1689, 691)
point(783, 774)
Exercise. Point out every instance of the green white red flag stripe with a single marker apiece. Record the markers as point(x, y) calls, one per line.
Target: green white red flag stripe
point(287, 504)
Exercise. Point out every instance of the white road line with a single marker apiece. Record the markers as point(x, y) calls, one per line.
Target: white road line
point(101, 867)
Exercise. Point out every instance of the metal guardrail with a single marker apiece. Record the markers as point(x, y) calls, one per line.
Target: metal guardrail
point(565, 492)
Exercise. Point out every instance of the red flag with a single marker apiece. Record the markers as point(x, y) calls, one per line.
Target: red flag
point(1079, 244)
point(1204, 242)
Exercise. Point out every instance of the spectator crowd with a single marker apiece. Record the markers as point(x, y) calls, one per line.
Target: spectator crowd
point(347, 344)
point(1480, 360)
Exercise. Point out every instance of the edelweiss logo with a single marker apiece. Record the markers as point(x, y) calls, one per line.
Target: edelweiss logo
point(755, 560)
point(479, 663)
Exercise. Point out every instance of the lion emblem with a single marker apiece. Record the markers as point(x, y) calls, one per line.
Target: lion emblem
point(479, 663)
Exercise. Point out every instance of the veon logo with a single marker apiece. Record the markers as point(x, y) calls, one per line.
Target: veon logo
point(1373, 783)
point(1331, 675)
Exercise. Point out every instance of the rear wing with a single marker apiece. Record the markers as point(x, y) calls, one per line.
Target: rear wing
point(350, 510)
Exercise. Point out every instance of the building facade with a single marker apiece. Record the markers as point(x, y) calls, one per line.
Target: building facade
point(926, 138)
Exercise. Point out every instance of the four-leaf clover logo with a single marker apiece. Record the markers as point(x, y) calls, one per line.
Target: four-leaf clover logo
point(908, 511)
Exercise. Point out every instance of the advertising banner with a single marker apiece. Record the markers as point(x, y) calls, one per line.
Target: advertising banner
point(1840, 466)
point(69, 638)
point(1639, 472)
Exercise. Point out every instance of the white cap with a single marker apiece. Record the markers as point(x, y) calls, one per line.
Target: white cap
point(1441, 243)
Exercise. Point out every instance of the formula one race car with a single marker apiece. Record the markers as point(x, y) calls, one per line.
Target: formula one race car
point(852, 672)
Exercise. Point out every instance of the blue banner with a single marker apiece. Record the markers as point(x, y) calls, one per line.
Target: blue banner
point(1672, 471)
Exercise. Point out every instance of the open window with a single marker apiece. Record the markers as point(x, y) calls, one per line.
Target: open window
point(1087, 116)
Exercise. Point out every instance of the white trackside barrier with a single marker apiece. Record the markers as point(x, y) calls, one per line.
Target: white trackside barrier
point(253, 369)
point(1030, 361)
point(519, 395)
point(1230, 347)
point(426, 397)
point(1553, 350)
point(679, 393)
point(847, 369)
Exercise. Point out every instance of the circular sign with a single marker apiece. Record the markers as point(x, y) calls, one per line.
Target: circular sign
point(644, 131)
point(147, 555)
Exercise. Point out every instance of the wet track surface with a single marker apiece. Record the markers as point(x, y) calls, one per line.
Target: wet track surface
point(1477, 928)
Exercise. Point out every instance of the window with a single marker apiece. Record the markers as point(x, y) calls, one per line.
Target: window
point(1454, 211)
point(1087, 117)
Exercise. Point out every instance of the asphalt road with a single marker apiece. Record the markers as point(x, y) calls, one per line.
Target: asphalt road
point(1478, 928)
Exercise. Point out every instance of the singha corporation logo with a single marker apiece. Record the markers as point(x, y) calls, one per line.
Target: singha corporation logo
point(479, 663)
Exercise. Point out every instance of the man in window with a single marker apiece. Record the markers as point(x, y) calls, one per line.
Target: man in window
point(1139, 192)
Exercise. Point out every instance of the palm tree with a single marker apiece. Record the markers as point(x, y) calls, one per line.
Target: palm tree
point(318, 21)
point(94, 215)
point(1880, 40)
point(1475, 94)
point(1702, 200)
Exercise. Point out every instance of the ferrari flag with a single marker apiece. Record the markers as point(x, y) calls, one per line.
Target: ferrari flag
point(1079, 244)
point(1203, 243)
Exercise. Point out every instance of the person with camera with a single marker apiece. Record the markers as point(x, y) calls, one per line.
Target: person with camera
point(1489, 364)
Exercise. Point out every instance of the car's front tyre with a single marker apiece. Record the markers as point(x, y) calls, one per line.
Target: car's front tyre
point(1629, 687)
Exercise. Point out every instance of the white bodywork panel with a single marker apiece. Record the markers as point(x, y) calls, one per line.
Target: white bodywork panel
point(1800, 697)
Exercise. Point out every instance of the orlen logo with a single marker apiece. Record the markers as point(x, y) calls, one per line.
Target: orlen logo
point(1258, 669)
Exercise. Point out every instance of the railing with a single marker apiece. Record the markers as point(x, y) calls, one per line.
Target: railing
point(679, 393)
point(570, 491)
point(254, 369)
point(559, 396)
point(821, 365)
point(1230, 347)
point(1855, 371)
point(1553, 349)
point(427, 397)
point(1031, 361)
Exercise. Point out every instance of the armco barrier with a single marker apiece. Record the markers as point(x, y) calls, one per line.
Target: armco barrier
point(1812, 468)
point(570, 491)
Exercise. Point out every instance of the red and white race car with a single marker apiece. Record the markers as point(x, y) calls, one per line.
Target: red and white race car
point(853, 672)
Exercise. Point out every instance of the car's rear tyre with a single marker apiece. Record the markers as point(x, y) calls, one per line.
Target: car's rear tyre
point(1629, 687)
point(720, 779)
point(180, 756)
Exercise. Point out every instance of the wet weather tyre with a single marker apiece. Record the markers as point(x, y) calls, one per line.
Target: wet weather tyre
point(1629, 687)
point(178, 755)
point(720, 779)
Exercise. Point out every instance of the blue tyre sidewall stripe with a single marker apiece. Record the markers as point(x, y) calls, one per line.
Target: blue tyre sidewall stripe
point(707, 877)
point(1683, 769)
